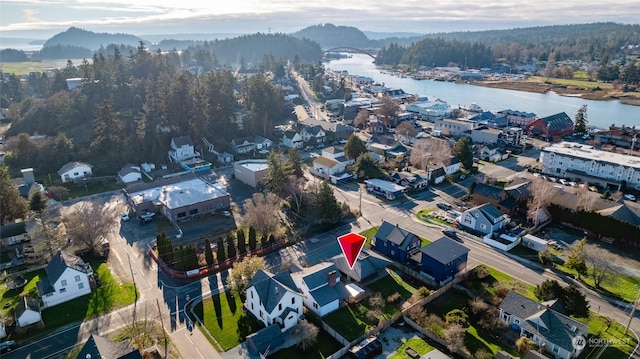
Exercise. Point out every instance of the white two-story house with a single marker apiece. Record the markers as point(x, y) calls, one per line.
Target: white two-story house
point(182, 149)
point(274, 299)
point(291, 139)
point(68, 277)
point(313, 135)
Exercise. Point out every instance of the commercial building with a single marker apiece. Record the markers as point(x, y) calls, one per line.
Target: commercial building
point(180, 200)
point(250, 171)
point(575, 160)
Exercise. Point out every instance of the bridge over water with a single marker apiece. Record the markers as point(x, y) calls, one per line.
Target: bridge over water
point(353, 50)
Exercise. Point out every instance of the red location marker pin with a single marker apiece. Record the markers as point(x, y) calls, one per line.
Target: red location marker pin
point(351, 245)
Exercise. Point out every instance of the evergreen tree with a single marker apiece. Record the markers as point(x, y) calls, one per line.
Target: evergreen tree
point(208, 253)
point(329, 207)
point(354, 147)
point(263, 240)
point(462, 150)
point(231, 247)
point(220, 253)
point(165, 248)
point(276, 173)
point(548, 290)
point(575, 302)
point(580, 120)
point(293, 166)
point(366, 167)
point(272, 239)
point(12, 205)
point(37, 202)
point(252, 239)
point(242, 241)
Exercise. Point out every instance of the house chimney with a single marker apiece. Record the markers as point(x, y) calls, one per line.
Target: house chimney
point(332, 278)
point(27, 174)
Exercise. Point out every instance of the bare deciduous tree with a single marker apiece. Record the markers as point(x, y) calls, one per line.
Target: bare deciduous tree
point(430, 152)
point(454, 335)
point(541, 193)
point(407, 130)
point(294, 191)
point(262, 212)
point(90, 224)
point(586, 199)
point(602, 262)
point(306, 334)
point(362, 119)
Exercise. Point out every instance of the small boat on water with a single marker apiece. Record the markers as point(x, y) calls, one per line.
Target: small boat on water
point(473, 107)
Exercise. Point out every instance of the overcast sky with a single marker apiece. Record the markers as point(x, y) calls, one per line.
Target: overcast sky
point(44, 18)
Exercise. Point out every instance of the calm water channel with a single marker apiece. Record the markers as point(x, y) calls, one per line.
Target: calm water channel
point(600, 113)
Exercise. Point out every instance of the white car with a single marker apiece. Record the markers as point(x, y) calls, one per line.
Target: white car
point(630, 197)
point(226, 213)
point(124, 217)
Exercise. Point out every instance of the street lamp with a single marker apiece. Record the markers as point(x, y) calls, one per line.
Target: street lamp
point(360, 205)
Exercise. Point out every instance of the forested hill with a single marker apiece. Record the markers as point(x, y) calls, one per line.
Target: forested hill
point(329, 35)
point(581, 41)
point(250, 49)
point(89, 39)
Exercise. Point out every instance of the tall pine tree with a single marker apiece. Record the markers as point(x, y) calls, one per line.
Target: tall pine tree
point(242, 241)
point(220, 253)
point(231, 249)
point(208, 253)
point(252, 239)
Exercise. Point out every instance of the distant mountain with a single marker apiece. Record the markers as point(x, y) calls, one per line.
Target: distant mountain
point(373, 35)
point(192, 36)
point(90, 40)
point(329, 36)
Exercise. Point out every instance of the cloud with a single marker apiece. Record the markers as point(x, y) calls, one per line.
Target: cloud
point(288, 16)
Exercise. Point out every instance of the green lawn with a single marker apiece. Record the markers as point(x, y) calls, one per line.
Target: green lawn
point(369, 234)
point(617, 285)
point(325, 346)
point(426, 213)
point(573, 82)
point(416, 344)
point(621, 345)
point(111, 295)
point(224, 318)
point(351, 321)
point(12, 297)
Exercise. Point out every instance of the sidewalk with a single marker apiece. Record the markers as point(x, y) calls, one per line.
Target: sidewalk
point(192, 344)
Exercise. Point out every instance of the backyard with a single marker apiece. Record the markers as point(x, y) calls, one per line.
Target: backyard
point(351, 321)
point(109, 296)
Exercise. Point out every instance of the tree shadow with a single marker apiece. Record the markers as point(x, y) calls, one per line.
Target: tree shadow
point(232, 301)
point(218, 309)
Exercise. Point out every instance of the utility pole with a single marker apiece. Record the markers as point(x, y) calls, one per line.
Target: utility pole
point(633, 311)
point(164, 332)
point(135, 289)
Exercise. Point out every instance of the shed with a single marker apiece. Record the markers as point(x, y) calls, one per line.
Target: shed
point(536, 243)
point(27, 312)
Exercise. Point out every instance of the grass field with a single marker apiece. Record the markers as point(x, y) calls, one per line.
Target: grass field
point(616, 285)
point(224, 318)
point(573, 82)
point(24, 68)
point(325, 346)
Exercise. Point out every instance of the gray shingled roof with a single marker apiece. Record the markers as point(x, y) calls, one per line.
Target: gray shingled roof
point(444, 250)
point(67, 167)
point(538, 318)
point(319, 274)
point(491, 212)
point(394, 234)
point(99, 347)
point(557, 121)
point(25, 304)
point(271, 288)
point(63, 260)
point(367, 264)
point(13, 229)
point(265, 338)
point(182, 140)
point(488, 191)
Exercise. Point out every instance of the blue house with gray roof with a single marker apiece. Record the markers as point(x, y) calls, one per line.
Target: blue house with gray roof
point(395, 242)
point(554, 332)
point(274, 299)
point(483, 219)
point(443, 259)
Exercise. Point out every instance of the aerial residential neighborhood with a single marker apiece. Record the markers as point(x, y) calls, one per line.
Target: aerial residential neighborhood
point(191, 203)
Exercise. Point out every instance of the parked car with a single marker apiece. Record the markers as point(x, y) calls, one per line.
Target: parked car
point(451, 233)
point(630, 197)
point(147, 215)
point(7, 346)
point(226, 213)
point(124, 217)
point(443, 206)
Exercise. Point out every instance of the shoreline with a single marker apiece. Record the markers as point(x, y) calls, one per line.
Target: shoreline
point(632, 99)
